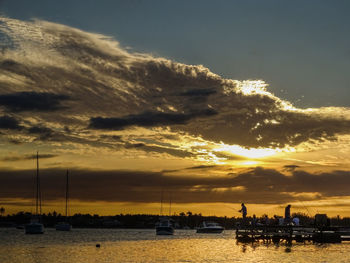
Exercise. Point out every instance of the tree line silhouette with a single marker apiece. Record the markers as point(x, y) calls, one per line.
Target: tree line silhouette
point(183, 220)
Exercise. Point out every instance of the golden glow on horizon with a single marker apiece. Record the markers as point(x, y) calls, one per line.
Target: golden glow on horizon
point(249, 163)
point(332, 207)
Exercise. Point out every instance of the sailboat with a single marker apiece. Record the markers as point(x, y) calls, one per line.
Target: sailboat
point(165, 225)
point(65, 226)
point(35, 226)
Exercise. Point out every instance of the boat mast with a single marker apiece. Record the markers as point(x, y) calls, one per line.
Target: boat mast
point(170, 205)
point(161, 202)
point(39, 188)
point(67, 194)
point(37, 198)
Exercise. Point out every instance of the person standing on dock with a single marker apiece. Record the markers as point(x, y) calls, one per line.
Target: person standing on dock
point(287, 214)
point(244, 212)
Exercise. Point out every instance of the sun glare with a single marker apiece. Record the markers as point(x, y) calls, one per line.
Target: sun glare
point(252, 153)
point(249, 163)
point(250, 87)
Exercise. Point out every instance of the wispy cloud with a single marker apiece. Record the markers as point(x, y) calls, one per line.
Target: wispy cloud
point(15, 158)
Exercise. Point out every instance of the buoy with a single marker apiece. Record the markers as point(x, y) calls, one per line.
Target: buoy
point(98, 245)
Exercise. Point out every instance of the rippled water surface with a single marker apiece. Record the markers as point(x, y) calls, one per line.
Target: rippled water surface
point(130, 245)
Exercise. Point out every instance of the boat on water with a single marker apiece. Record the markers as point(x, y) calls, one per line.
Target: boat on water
point(35, 226)
point(210, 227)
point(65, 226)
point(165, 227)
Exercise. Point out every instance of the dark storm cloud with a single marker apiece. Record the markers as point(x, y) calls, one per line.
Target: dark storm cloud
point(119, 143)
point(158, 149)
point(256, 186)
point(198, 96)
point(198, 92)
point(9, 123)
point(147, 119)
point(43, 133)
point(32, 101)
point(27, 157)
point(40, 130)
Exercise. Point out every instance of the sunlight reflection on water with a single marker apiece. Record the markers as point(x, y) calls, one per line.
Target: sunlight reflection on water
point(130, 245)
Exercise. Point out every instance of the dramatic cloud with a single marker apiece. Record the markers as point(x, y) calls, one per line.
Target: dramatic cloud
point(9, 123)
point(31, 101)
point(79, 82)
point(256, 186)
point(147, 119)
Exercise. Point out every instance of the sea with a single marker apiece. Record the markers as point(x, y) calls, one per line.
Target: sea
point(143, 245)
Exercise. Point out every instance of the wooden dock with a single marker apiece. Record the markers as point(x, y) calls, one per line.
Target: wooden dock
point(291, 233)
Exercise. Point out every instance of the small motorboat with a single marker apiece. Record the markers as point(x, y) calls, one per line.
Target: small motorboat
point(164, 227)
point(63, 226)
point(34, 227)
point(210, 227)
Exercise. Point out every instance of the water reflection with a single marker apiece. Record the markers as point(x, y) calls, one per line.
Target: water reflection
point(254, 245)
point(288, 249)
point(126, 245)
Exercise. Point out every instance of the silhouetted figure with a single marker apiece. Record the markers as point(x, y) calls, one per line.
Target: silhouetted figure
point(244, 212)
point(254, 220)
point(266, 220)
point(296, 221)
point(287, 218)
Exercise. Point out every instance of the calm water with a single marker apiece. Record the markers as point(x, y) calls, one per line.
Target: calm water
point(125, 245)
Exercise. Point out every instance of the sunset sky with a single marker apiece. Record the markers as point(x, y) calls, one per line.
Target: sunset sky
point(213, 103)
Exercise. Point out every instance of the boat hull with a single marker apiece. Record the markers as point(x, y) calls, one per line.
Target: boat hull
point(63, 227)
point(161, 230)
point(34, 228)
point(210, 230)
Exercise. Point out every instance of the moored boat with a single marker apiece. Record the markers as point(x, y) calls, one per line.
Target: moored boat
point(164, 227)
point(65, 226)
point(35, 226)
point(210, 227)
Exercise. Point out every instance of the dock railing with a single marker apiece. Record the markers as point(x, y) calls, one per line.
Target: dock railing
point(288, 233)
